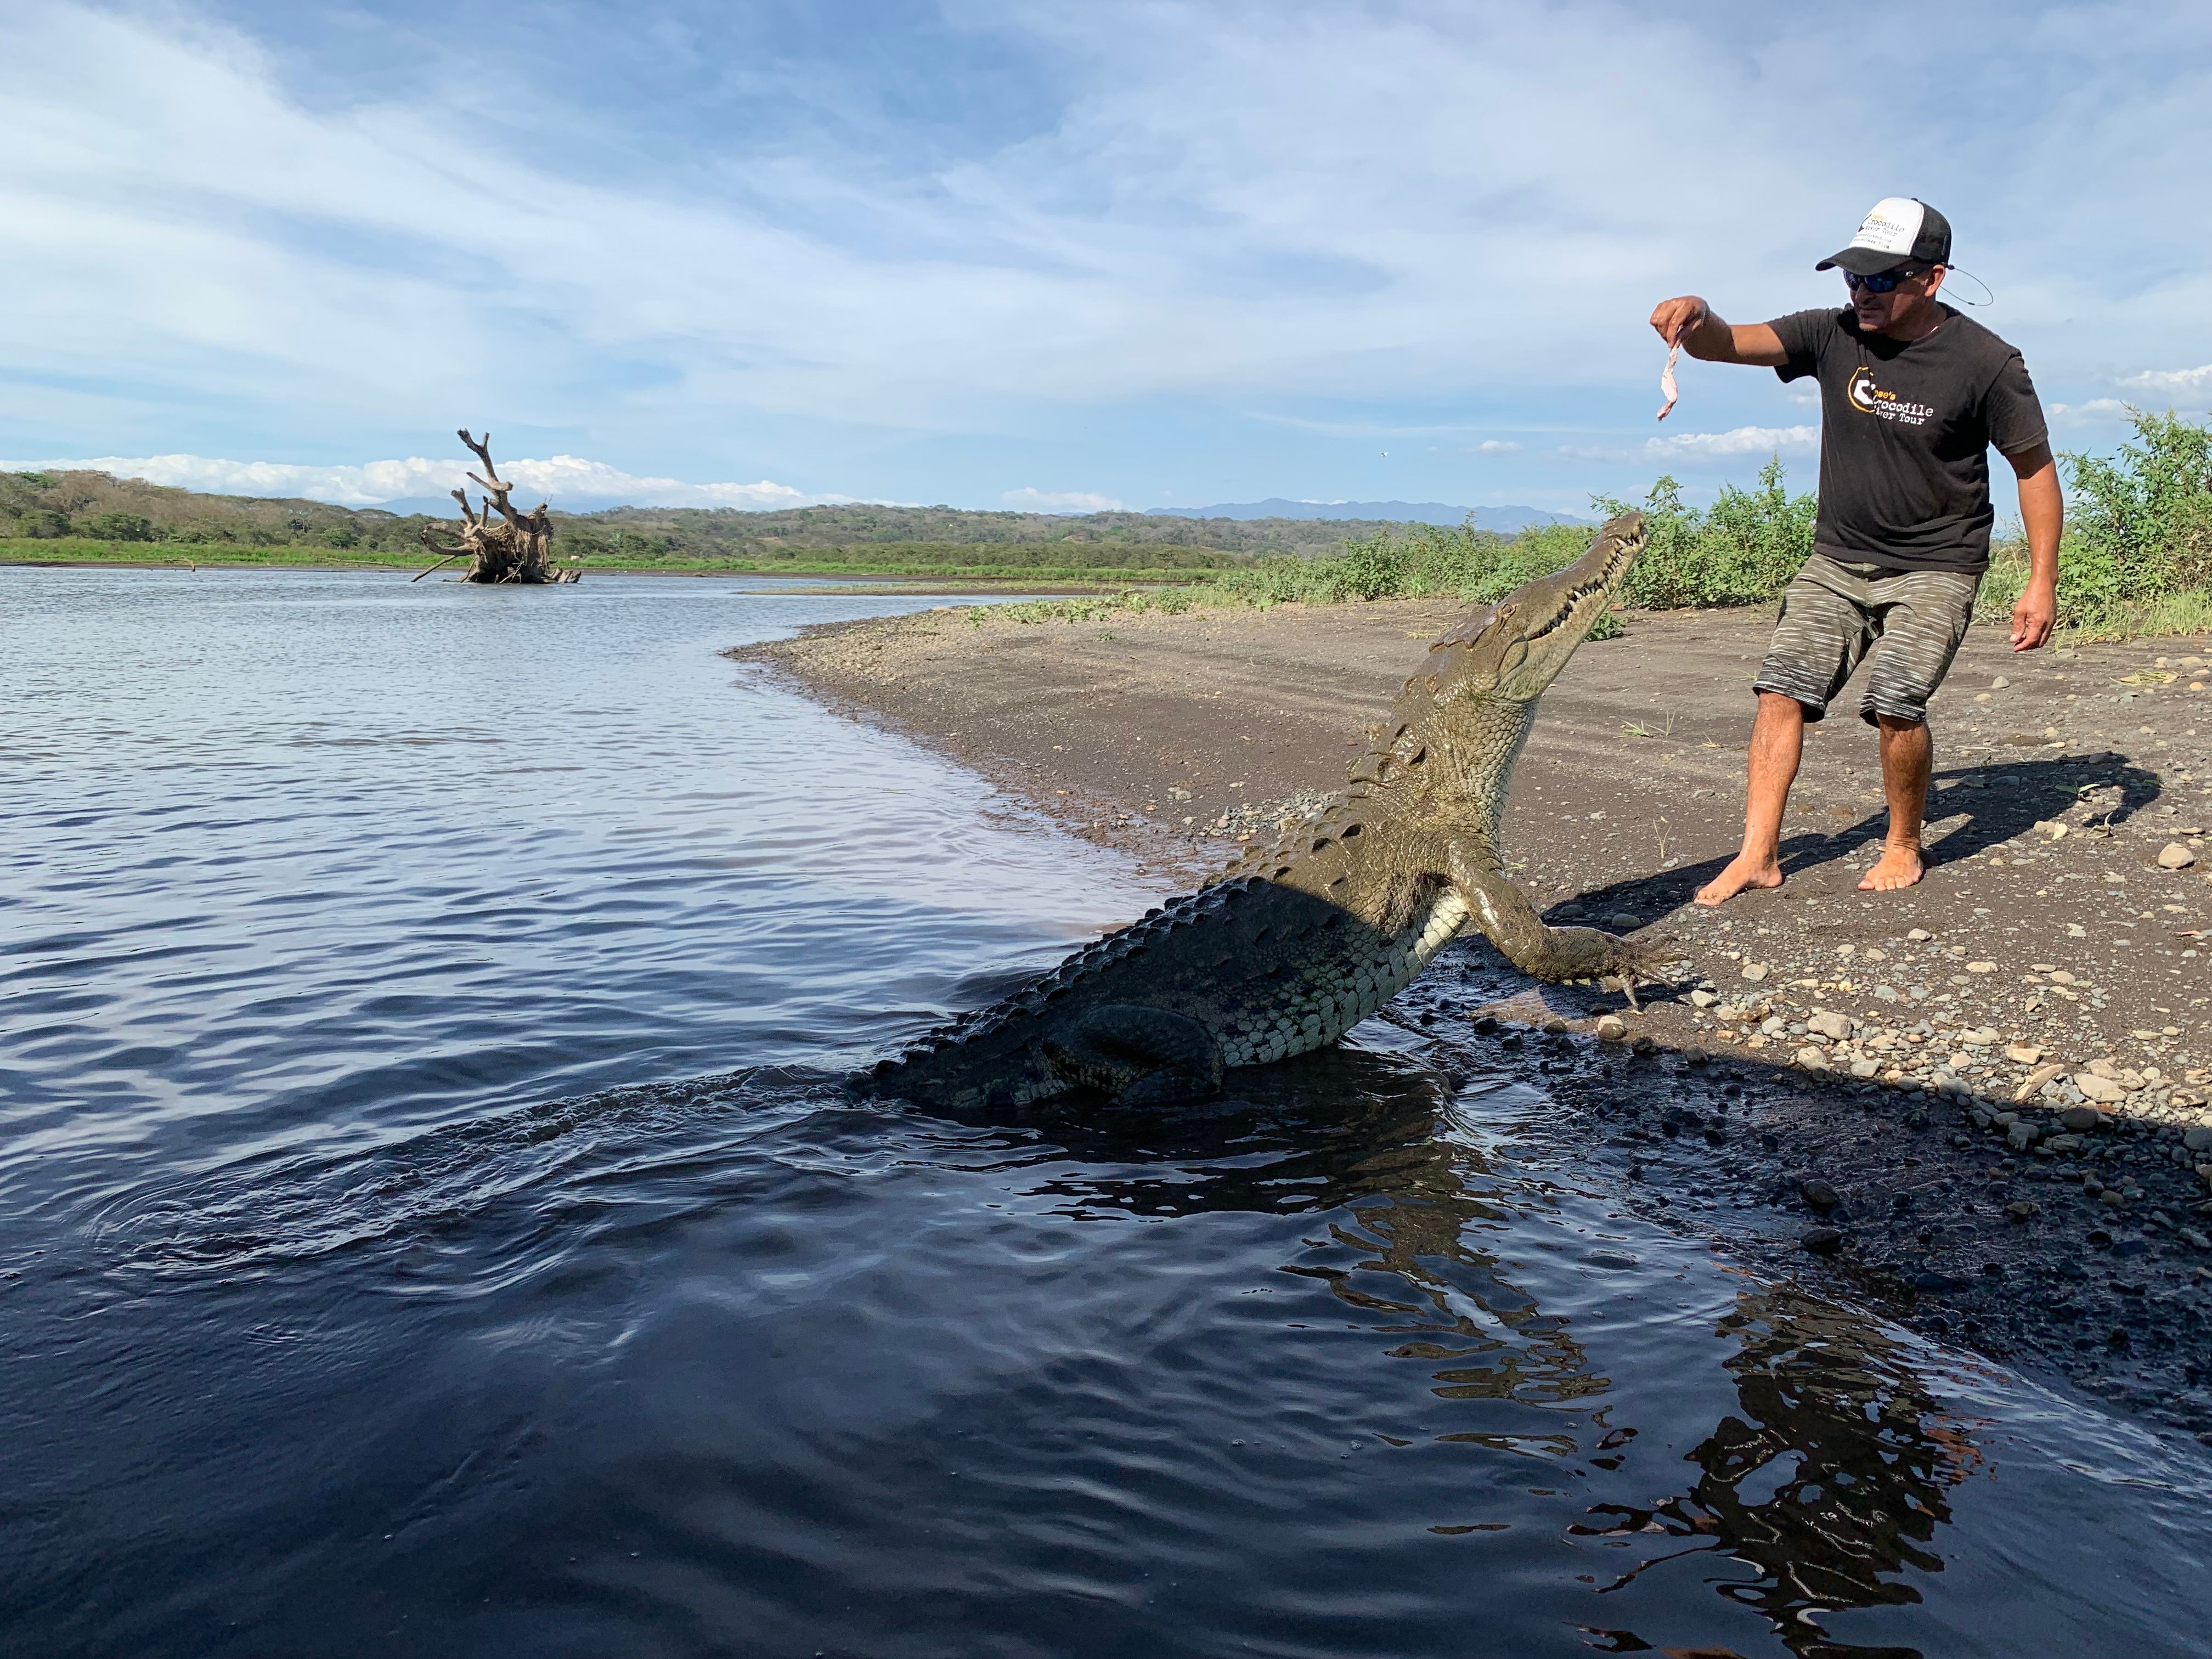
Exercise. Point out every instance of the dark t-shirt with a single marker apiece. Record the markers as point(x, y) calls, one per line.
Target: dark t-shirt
point(1905, 430)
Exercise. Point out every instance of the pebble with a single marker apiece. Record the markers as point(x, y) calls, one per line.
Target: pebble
point(1754, 971)
point(2020, 1209)
point(2080, 1119)
point(1611, 1029)
point(1981, 967)
point(1832, 1025)
point(1554, 1027)
point(2099, 1088)
point(1811, 1059)
point(2174, 856)
point(1999, 684)
point(1823, 1241)
point(2022, 1055)
point(1616, 1258)
point(2198, 1139)
point(1818, 1194)
point(1703, 998)
point(1920, 935)
point(1624, 921)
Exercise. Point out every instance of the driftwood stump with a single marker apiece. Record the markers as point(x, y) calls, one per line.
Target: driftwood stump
point(519, 548)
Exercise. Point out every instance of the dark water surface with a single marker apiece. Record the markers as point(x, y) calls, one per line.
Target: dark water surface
point(428, 1224)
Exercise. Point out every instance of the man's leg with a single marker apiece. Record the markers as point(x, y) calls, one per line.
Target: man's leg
point(1924, 615)
point(1908, 754)
point(1819, 638)
point(1778, 742)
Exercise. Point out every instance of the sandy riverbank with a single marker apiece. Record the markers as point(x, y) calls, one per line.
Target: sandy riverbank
point(1850, 1035)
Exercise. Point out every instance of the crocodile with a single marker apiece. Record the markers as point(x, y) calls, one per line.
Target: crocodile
point(1300, 939)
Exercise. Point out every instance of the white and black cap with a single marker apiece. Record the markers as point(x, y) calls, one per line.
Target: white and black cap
point(1901, 230)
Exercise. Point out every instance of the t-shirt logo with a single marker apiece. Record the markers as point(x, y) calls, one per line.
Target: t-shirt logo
point(1868, 398)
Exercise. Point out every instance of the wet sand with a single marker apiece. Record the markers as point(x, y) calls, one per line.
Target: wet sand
point(1864, 1090)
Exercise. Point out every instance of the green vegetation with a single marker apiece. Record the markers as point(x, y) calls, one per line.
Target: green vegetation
point(857, 533)
point(73, 550)
point(1741, 549)
point(91, 518)
point(2137, 557)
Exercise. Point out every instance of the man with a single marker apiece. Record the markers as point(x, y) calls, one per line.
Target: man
point(1913, 396)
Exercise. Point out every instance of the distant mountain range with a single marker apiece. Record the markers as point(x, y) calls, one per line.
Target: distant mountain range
point(1502, 519)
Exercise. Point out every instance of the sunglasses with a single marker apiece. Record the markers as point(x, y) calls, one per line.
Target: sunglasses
point(1883, 281)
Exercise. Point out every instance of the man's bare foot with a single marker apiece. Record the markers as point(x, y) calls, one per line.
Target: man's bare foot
point(1900, 866)
point(1743, 870)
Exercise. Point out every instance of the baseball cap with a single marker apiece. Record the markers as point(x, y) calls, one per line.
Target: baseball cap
point(1901, 229)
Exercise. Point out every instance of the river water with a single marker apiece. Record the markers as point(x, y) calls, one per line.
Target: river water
point(429, 1224)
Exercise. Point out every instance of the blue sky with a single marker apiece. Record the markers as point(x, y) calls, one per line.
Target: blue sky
point(996, 253)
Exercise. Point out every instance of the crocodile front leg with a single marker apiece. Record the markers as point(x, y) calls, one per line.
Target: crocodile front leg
point(1506, 918)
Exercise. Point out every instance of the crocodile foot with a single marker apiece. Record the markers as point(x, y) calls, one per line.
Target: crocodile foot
point(1140, 1055)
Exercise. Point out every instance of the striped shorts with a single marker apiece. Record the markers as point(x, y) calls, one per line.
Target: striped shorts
point(1907, 623)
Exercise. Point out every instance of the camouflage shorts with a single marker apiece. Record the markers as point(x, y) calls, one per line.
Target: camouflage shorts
point(1907, 623)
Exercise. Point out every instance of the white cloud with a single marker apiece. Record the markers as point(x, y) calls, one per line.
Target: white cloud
point(2172, 380)
point(560, 480)
point(1026, 500)
point(2097, 409)
point(1737, 441)
point(207, 245)
point(1496, 447)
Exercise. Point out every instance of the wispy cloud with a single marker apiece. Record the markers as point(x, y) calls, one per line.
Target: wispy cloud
point(691, 252)
point(1496, 447)
point(1737, 441)
point(1026, 500)
point(2172, 380)
point(2096, 408)
point(562, 479)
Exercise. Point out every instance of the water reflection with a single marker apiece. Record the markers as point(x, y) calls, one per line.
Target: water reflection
point(1833, 1479)
point(1828, 1483)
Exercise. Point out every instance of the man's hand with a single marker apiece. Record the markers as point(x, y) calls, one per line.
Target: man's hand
point(1675, 317)
point(2032, 616)
point(1689, 323)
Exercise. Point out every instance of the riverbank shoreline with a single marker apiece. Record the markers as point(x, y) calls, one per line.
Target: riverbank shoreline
point(803, 582)
point(1828, 1087)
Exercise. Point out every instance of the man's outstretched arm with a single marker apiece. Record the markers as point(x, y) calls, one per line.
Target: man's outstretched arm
point(1689, 321)
point(2042, 515)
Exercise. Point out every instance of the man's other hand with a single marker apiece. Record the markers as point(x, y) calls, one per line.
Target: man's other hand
point(2042, 516)
point(2032, 618)
point(1674, 317)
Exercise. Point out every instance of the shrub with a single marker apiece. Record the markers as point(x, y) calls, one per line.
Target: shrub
point(116, 527)
point(1745, 548)
point(44, 524)
point(2142, 521)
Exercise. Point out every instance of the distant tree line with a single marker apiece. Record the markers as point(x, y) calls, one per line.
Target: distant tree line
point(97, 507)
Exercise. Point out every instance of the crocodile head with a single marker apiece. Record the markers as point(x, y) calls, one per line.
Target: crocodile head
point(1511, 650)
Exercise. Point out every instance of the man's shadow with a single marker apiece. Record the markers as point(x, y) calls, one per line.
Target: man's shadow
point(1999, 801)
